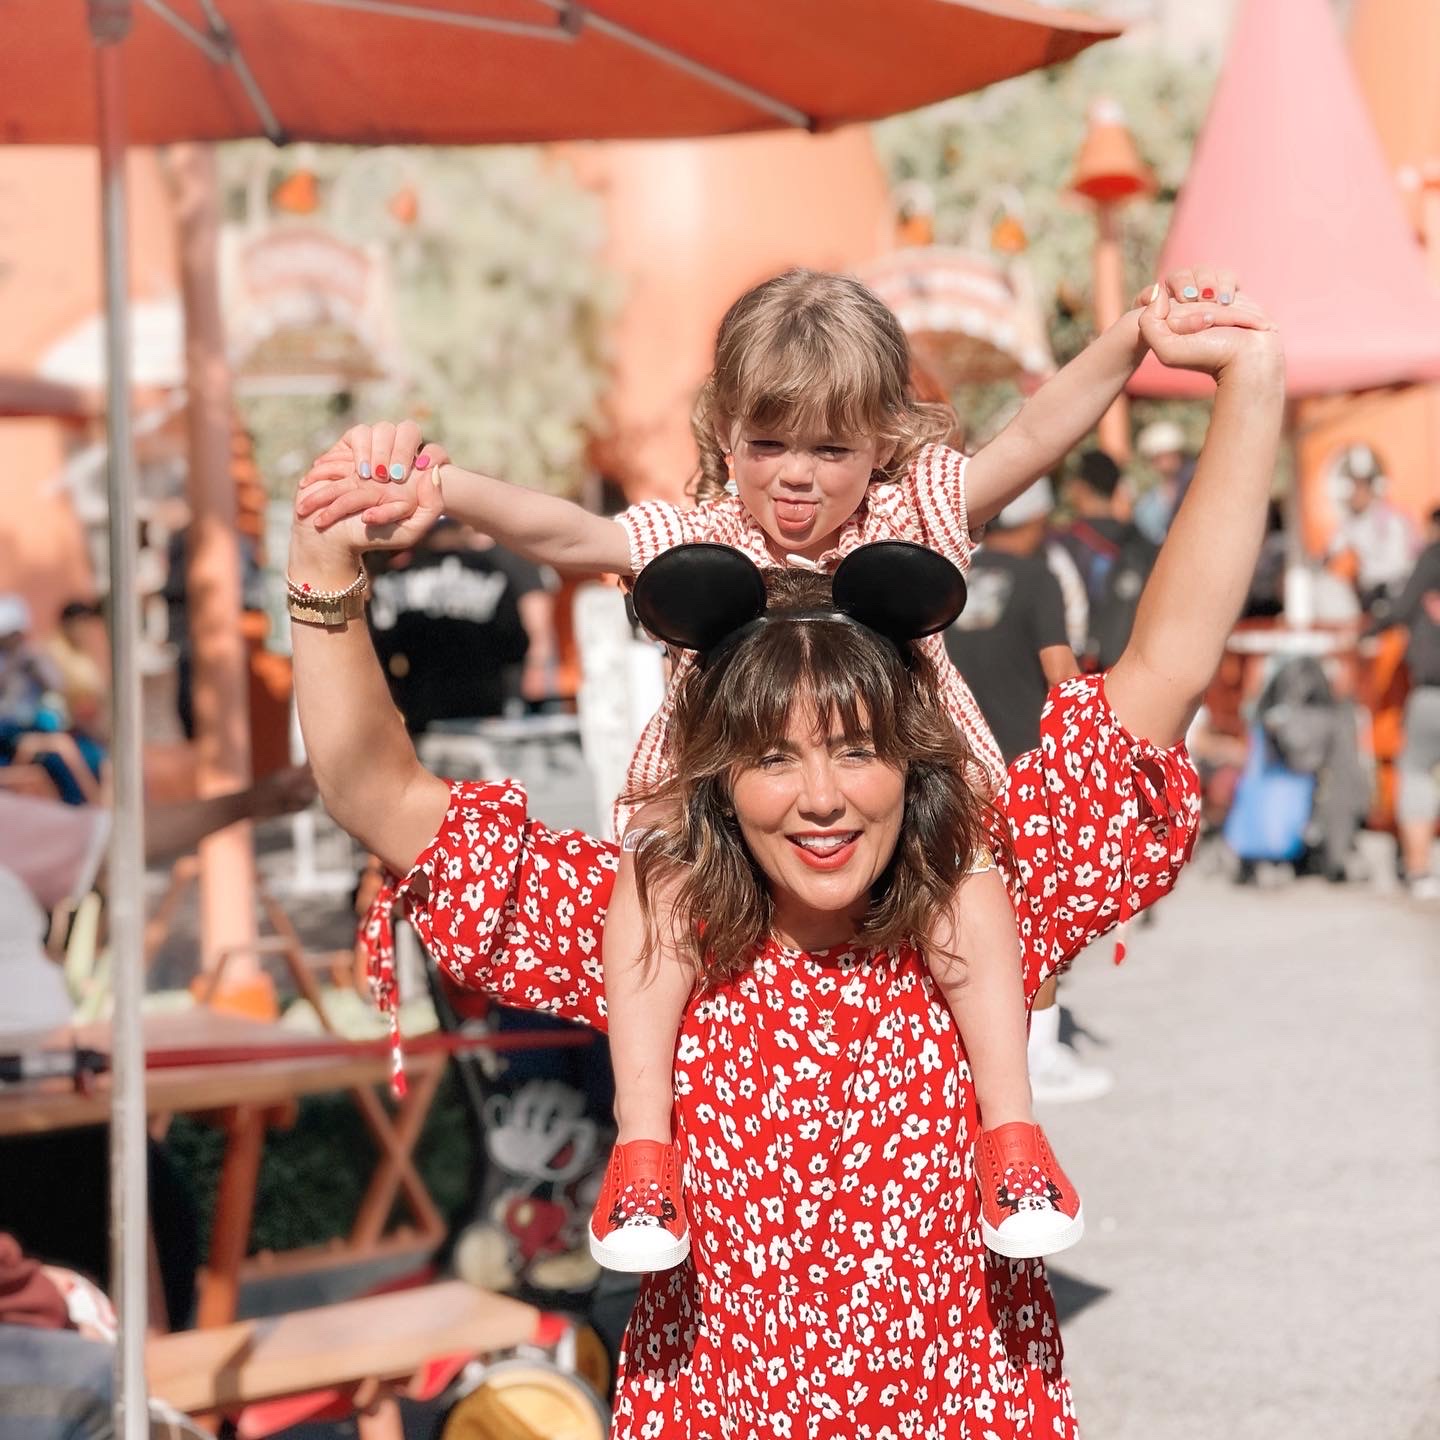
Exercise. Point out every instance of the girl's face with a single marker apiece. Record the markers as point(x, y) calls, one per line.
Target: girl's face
point(821, 817)
point(803, 488)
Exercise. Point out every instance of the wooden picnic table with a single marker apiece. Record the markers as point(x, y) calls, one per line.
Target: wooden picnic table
point(380, 1337)
point(246, 1097)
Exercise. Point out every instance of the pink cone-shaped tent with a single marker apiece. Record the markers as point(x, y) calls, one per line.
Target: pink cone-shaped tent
point(1290, 187)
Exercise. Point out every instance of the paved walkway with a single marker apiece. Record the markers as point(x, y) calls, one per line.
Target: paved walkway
point(1262, 1187)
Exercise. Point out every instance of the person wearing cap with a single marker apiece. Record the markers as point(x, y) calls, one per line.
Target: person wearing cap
point(1011, 638)
point(1110, 551)
point(1418, 802)
point(1374, 542)
point(29, 684)
point(1162, 447)
point(1012, 641)
point(34, 719)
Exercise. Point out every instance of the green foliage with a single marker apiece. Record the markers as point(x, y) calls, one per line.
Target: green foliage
point(501, 303)
point(1013, 147)
point(313, 1175)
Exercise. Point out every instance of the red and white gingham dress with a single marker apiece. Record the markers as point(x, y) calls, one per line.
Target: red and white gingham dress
point(925, 505)
point(838, 1288)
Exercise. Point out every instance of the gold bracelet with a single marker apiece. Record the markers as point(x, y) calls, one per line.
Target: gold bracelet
point(330, 608)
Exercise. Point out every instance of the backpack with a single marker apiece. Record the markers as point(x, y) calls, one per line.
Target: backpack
point(1125, 570)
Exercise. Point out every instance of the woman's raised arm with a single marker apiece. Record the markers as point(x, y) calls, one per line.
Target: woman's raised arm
point(1199, 581)
point(361, 757)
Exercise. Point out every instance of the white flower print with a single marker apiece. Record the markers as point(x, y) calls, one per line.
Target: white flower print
point(874, 1191)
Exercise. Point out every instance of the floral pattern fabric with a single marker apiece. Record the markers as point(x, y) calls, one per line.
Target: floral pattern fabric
point(838, 1286)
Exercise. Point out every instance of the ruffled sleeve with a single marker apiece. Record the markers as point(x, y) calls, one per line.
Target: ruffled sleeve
point(934, 484)
point(654, 526)
point(504, 905)
point(1100, 824)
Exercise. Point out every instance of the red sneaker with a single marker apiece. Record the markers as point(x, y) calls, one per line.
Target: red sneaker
point(639, 1220)
point(1027, 1206)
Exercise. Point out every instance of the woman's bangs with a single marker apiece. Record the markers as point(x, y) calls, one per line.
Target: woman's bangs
point(758, 693)
point(812, 669)
point(852, 690)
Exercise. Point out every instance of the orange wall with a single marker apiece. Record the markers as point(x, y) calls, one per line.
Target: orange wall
point(1395, 46)
point(1402, 427)
point(691, 225)
point(50, 282)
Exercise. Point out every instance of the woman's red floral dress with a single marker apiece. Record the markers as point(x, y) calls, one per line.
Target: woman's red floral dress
point(838, 1286)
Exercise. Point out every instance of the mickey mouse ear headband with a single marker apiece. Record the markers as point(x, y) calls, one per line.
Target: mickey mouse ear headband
point(707, 597)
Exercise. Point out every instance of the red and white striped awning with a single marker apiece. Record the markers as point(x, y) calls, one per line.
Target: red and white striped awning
point(966, 319)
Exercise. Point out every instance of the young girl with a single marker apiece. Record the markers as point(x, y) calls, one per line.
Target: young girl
point(812, 443)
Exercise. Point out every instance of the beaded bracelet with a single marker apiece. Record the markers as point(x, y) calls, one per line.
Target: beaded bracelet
point(331, 608)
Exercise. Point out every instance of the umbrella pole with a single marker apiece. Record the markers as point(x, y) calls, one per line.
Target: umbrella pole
point(109, 24)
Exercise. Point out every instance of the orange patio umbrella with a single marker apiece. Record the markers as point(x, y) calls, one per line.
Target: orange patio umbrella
point(458, 72)
point(428, 72)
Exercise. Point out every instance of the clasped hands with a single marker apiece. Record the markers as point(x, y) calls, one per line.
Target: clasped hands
point(381, 482)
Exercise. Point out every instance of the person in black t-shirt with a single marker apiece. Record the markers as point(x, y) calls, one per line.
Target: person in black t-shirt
point(1011, 646)
point(1010, 642)
point(1418, 798)
point(447, 626)
point(535, 587)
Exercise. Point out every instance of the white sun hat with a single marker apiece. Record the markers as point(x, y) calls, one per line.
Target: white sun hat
point(1032, 504)
point(1164, 437)
point(14, 615)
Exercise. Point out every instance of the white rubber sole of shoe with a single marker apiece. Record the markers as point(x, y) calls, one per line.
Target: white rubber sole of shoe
point(1084, 1082)
point(633, 1255)
point(1026, 1242)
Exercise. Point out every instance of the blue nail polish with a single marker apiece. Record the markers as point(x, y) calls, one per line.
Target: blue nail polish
point(1226, 297)
point(397, 472)
point(1190, 293)
point(364, 469)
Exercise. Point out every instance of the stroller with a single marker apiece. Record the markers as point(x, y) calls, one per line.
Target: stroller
point(1304, 793)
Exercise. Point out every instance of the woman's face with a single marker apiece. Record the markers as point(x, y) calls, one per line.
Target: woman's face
point(821, 816)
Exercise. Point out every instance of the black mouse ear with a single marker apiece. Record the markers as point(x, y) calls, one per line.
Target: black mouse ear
point(900, 589)
point(694, 596)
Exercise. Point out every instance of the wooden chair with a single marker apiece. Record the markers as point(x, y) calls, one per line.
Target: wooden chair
point(352, 1358)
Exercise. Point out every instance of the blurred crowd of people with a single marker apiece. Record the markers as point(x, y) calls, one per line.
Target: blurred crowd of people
point(54, 704)
point(1289, 766)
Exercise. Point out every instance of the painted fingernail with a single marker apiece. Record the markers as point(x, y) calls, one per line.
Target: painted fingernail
point(1226, 297)
point(422, 462)
point(397, 472)
point(364, 469)
point(1190, 293)
point(1155, 292)
point(1207, 293)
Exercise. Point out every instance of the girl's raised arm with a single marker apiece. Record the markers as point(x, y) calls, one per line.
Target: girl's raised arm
point(364, 764)
point(374, 472)
point(1205, 566)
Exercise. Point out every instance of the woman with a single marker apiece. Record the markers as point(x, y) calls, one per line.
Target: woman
point(838, 1286)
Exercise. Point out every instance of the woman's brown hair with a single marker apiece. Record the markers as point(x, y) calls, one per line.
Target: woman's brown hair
point(812, 353)
point(727, 716)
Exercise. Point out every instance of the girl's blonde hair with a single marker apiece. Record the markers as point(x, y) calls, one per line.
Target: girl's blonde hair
point(812, 353)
